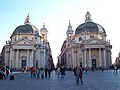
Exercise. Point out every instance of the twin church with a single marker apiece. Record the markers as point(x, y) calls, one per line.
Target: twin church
point(28, 46)
point(87, 46)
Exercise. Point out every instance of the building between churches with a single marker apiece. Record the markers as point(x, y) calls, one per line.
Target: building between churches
point(88, 47)
point(27, 47)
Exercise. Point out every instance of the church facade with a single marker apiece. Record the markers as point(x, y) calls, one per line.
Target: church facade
point(87, 47)
point(27, 47)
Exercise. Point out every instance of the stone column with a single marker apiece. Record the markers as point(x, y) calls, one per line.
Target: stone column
point(28, 59)
point(110, 60)
point(17, 59)
point(90, 63)
point(104, 58)
point(85, 57)
point(31, 59)
point(100, 62)
point(13, 63)
point(73, 58)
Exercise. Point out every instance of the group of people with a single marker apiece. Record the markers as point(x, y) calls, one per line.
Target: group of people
point(78, 72)
point(60, 71)
point(40, 72)
point(4, 72)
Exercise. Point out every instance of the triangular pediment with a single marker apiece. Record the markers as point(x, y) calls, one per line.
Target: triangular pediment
point(95, 41)
point(23, 41)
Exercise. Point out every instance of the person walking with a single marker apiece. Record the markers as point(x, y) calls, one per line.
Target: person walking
point(38, 73)
point(42, 72)
point(78, 75)
point(46, 71)
point(34, 72)
point(115, 69)
point(102, 68)
point(62, 70)
point(31, 71)
point(58, 72)
point(7, 72)
point(86, 69)
point(49, 71)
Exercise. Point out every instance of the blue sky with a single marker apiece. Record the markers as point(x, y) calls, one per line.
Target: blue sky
point(56, 15)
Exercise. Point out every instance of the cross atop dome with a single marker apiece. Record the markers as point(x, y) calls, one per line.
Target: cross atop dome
point(27, 20)
point(88, 17)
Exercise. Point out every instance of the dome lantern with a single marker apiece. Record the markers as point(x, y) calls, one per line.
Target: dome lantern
point(27, 20)
point(88, 17)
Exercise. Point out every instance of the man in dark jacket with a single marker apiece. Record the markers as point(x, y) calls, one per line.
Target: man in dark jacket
point(62, 70)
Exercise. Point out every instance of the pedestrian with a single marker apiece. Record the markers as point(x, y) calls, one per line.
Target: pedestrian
point(42, 72)
point(7, 72)
point(49, 71)
point(102, 68)
point(34, 72)
point(92, 68)
point(115, 69)
point(78, 75)
point(58, 72)
point(62, 70)
point(3, 74)
point(31, 71)
point(86, 69)
point(38, 73)
point(46, 71)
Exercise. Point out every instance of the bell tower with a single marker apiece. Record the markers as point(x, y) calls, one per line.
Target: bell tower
point(69, 32)
point(44, 32)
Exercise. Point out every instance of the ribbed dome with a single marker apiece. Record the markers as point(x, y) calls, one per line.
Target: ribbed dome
point(25, 29)
point(89, 27)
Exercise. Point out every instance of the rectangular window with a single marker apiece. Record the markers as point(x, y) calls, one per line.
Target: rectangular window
point(92, 37)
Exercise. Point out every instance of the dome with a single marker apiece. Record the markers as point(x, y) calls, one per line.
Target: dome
point(89, 27)
point(25, 29)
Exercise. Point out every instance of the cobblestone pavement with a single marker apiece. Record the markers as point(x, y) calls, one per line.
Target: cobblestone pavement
point(96, 80)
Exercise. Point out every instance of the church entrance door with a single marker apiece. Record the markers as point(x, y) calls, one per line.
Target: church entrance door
point(94, 63)
point(23, 63)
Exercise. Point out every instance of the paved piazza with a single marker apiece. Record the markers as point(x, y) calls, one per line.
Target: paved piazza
point(96, 80)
